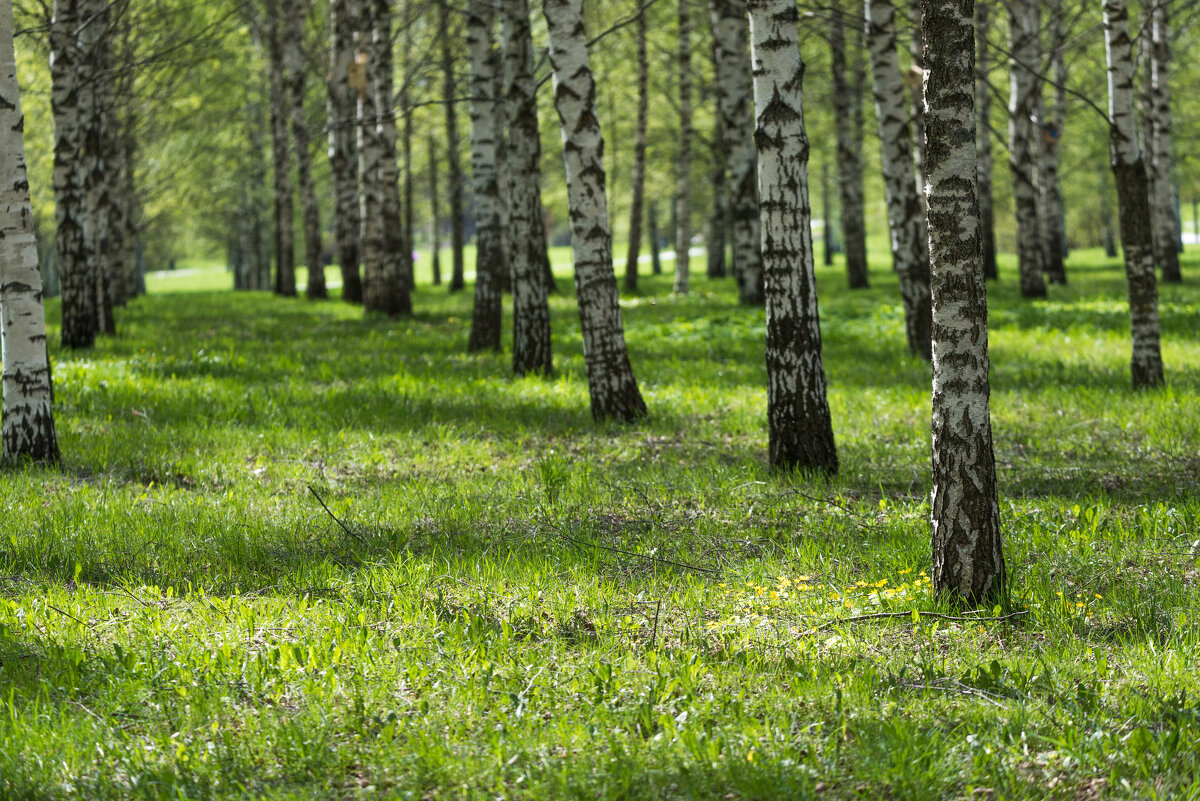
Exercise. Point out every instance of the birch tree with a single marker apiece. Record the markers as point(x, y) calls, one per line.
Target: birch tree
point(28, 424)
point(798, 418)
point(1051, 121)
point(1133, 202)
point(528, 257)
point(343, 151)
point(983, 139)
point(968, 552)
point(637, 189)
point(74, 260)
point(731, 33)
point(489, 244)
point(1158, 107)
point(906, 214)
point(683, 157)
point(611, 384)
point(294, 70)
point(1023, 23)
point(285, 258)
point(847, 112)
point(449, 95)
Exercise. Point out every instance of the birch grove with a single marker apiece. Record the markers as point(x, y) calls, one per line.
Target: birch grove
point(1023, 23)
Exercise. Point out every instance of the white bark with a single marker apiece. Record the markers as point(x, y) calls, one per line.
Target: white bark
point(800, 428)
point(343, 156)
point(731, 33)
point(1051, 122)
point(489, 244)
point(683, 159)
point(611, 383)
point(1022, 146)
point(294, 73)
point(1132, 198)
point(906, 210)
point(28, 426)
point(968, 556)
point(1162, 196)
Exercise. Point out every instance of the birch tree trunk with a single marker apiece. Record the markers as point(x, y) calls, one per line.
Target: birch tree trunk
point(528, 257)
point(406, 136)
point(261, 232)
point(370, 156)
point(611, 384)
point(435, 214)
point(718, 213)
point(387, 259)
point(798, 419)
point(917, 89)
point(1023, 33)
point(285, 257)
point(637, 190)
point(1133, 200)
point(1051, 124)
point(983, 139)
point(489, 255)
point(449, 95)
point(655, 258)
point(28, 419)
point(847, 100)
point(96, 47)
point(906, 212)
point(683, 158)
point(731, 31)
point(74, 261)
point(1162, 199)
point(343, 155)
point(294, 69)
point(968, 551)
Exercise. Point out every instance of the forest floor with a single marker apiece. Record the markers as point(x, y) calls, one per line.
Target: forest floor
point(517, 602)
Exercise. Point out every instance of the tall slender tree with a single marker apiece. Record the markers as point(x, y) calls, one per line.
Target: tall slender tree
point(435, 214)
point(968, 551)
point(28, 425)
point(1158, 107)
point(1051, 118)
point(529, 260)
point(906, 213)
point(1023, 23)
point(294, 70)
point(847, 107)
point(637, 189)
point(798, 418)
point(343, 151)
point(449, 101)
point(1133, 199)
point(489, 244)
point(983, 138)
point(95, 41)
point(683, 157)
point(731, 32)
point(611, 384)
point(285, 254)
point(397, 247)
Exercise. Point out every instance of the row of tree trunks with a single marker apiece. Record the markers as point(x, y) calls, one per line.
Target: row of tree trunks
point(343, 147)
point(1023, 18)
point(798, 419)
point(906, 210)
point(528, 256)
point(683, 158)
point(294, 70)
point(847, 111)
point(611, 383)
point(489, 244)
point(28, 419)
point(1133, 198)
point(1158, 113)
point(731, 36)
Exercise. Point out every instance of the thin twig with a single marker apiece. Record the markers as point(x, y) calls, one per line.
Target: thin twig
point(345, 528)
point(909, 614)
point(656, 559)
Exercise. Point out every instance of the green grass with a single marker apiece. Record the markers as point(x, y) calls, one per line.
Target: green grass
point(502, 617)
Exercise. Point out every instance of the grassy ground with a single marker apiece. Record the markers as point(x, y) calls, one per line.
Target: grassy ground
point(520, 603)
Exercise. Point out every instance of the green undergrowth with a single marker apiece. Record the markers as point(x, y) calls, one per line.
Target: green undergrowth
point(507, 600)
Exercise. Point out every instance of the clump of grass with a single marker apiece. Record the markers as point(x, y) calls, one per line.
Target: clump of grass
point(528, 605)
